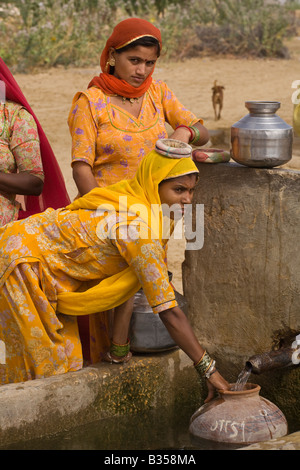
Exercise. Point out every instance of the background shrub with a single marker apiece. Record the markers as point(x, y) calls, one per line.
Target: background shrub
point(43, 33)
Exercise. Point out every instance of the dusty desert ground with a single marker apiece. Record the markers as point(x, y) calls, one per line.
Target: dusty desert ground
point(50, 94)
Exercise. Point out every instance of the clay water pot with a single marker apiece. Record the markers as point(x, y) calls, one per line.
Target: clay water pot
point(242, 417)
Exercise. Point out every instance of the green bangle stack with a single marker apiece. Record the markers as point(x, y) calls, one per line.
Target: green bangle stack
point(196, 135)
point(119, 350)
point(205, 366)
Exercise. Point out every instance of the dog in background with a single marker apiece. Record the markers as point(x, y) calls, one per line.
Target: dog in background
point(217, 99)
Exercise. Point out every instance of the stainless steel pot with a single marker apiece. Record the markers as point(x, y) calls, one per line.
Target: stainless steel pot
point(147, 333)
point(261, 138)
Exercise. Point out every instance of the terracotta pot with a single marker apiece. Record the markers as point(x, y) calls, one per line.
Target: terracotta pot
point(242, 417)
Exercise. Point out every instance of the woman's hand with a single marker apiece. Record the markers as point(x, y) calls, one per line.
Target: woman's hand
point(215, 382)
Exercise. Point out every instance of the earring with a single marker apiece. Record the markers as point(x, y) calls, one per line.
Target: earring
point(110, 63)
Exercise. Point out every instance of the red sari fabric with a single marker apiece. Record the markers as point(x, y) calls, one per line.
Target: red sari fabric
point(123, 34)
point(54, 192)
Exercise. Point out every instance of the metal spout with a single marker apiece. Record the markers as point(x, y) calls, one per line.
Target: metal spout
point(283, 357)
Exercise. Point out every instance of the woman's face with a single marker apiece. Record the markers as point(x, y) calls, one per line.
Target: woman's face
point(134, 65)
point(177, 192)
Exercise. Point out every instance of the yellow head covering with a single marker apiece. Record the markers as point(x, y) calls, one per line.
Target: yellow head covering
point(141, 190)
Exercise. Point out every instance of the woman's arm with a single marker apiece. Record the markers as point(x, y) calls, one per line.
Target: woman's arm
point(21, 183)
point(176, 114)
point(83, 177)
point(181, 331)
point(83, 130)
point(24, 146)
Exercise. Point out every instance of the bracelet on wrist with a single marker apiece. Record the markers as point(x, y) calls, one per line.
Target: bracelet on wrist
point(188, 128)
point(205, 366)
point(196, 134)
point(211, 370)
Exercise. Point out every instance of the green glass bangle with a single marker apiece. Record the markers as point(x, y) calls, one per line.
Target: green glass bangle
point(196, 136)
point(119, 350)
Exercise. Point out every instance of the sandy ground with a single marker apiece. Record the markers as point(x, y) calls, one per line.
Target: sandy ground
point(50, 94)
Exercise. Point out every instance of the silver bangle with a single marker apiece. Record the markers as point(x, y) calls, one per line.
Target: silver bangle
point(211, 370)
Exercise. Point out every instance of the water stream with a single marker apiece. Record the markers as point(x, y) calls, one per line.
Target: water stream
point(242, 379)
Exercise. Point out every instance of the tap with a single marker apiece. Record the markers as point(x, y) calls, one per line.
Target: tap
point(283, 357)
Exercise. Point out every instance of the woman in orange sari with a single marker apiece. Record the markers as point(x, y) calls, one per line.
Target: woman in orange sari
point(92, 256)
point(119, 118)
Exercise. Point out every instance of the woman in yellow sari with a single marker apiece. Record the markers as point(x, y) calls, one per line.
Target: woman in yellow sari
point(92, 256)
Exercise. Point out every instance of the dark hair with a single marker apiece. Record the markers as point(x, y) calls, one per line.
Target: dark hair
point(146, 41)
point(175, 177)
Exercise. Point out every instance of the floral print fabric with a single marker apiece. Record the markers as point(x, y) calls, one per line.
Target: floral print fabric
point(20, 151)
point(111, 140)
point(59, 251)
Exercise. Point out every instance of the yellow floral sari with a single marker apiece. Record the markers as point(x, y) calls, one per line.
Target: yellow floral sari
point(83, 259)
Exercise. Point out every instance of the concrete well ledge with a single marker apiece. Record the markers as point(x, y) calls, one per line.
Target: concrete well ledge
point(45, 407)
point(290, 442)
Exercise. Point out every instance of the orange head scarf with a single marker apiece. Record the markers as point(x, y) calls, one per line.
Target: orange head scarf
point(123, 34)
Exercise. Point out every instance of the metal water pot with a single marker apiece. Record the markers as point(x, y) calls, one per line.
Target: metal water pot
point(261, 138)
point(147, 333)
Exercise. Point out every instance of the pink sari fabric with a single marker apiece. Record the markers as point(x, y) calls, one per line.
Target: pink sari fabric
point(54, 192)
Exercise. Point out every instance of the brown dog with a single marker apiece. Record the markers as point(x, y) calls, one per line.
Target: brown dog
point(217, 99)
